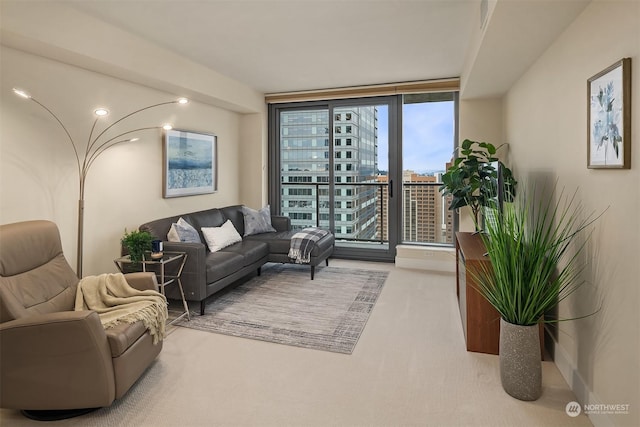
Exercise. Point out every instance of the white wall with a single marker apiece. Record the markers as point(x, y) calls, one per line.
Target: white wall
point(480, 120)
point(38, 174)
point(253, 173)
point(545, 124)
point(68, 71)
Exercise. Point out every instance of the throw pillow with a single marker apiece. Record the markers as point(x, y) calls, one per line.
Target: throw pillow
point(257, 221)
point(221, 237)
point(182, 231)
point(172, 235)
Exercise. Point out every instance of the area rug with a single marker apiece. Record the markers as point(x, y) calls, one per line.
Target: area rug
point(284, 306)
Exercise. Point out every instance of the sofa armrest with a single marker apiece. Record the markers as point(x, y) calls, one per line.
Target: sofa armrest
point(193, 276)
point(142, 281)
point(55, 360)
point(281, 223)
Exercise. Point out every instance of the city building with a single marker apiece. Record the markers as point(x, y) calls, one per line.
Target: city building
point(425, 216)
point(305, 165)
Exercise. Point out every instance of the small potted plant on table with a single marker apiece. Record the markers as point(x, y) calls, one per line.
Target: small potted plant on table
point(136, 243)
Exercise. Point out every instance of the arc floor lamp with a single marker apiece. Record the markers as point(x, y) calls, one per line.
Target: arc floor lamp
point(94, 147)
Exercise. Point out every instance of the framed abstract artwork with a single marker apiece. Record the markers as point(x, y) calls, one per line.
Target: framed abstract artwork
point(189, 163)
point(609, 117)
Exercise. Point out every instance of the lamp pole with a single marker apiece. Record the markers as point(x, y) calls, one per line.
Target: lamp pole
point(93, 149)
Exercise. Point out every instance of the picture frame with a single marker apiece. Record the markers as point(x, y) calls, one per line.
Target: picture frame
point(189, 163)
point(609, 117)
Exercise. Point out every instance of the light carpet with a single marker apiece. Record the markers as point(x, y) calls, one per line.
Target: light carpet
point(284, 306)
point(409, 368)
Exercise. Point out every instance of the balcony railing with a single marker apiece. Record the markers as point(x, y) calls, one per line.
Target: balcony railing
point(425, 221)
point(380, 211)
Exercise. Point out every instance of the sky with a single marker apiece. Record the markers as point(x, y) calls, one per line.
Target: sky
point(427, 131)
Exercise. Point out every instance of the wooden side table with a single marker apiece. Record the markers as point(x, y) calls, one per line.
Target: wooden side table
point(165, 279)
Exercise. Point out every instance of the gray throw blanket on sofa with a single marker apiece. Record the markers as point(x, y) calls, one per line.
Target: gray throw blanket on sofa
point(302, 244)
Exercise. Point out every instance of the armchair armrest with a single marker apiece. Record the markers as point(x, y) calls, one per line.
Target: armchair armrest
point(142, 281)
point(50, 360)
point(281, 223)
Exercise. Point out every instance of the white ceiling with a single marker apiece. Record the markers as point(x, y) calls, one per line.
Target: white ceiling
point(276, 46)
point(281, 46)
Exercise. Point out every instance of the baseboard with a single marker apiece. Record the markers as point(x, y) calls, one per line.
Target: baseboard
point(584, 395)
point(437, 259)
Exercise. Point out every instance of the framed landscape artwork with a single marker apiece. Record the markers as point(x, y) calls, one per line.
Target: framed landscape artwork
point(609, 117)
point(189, 163)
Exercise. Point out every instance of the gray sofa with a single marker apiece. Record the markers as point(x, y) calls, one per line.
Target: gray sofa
point(205, 272)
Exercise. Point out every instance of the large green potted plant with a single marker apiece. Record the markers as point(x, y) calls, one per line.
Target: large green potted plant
point(136, 243)
point(472, 179)
point(534, 247)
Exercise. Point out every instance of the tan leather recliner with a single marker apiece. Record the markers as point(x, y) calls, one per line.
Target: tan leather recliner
point(52, 357)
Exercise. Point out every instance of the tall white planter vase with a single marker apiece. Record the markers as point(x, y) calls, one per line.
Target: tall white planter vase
point(520, 365)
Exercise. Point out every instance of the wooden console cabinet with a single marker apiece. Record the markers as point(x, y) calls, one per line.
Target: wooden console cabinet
point(480, 321)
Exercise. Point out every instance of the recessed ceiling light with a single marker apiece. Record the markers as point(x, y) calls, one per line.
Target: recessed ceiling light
point(183, 100)
point(101, 112)
point(167, 126)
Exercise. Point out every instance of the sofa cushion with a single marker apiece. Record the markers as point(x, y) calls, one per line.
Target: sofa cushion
point(122, 336)
point(278, 242)
point(257, 221)
point(208, 218)
point(220, 237)
point(251, 250)
point(234, 213)
point(221, 264)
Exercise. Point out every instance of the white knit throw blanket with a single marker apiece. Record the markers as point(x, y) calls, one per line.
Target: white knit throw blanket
point(117, 302)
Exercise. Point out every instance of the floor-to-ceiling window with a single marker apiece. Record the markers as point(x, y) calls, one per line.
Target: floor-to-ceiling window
point(339, 165)
point(428, 134)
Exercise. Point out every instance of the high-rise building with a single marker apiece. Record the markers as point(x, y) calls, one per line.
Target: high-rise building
point(360, 204)
point(382, 210)
point(425, 214)
point(305, 163)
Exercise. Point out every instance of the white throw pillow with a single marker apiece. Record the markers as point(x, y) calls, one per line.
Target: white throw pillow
point(221, 237)
point(172, 235)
